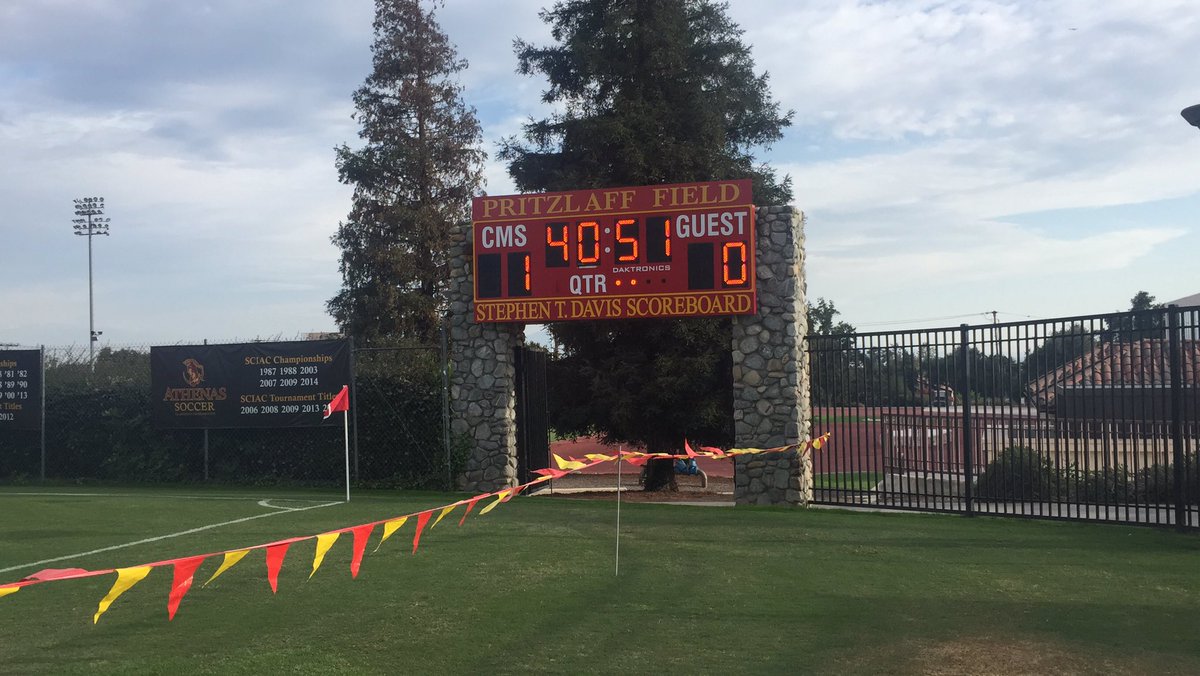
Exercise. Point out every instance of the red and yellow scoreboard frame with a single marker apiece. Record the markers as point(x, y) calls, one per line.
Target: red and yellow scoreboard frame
point(682, 250)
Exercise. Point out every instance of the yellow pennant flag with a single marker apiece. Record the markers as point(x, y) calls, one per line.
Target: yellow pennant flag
point(324, 542)
point(230, 560)
point(126, 578)
point(390, 527)
point(499, 498)
point(445, 510)
point(567, 464)
point(5, 591)
point(599, 456)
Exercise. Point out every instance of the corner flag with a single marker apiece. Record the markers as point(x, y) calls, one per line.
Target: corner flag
point(339, 403)
point(342, 403)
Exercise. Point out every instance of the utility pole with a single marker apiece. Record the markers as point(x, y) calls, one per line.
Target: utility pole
point(90, 222)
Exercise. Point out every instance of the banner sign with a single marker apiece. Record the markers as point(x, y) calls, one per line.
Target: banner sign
point(283, 384)
point(20, 389)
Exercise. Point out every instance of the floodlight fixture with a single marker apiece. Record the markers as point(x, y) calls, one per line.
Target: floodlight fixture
point(1192, 115)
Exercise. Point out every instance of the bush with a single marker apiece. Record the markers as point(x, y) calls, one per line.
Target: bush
point(99, 428)
point(1107, 486)
point(1018, 473)
point(1156, 483)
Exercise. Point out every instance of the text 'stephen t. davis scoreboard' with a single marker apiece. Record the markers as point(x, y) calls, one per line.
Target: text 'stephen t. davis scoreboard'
point(684, 250)
point(278, 384)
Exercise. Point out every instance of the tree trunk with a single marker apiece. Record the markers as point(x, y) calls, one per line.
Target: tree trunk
point(660, 475)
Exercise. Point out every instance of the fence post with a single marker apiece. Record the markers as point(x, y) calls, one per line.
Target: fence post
point(1176, 366)
point(964, 386)
point(445, 346)
point(355, 406)
point(42, 363)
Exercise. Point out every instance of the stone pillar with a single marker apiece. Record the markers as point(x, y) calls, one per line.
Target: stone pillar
point(770, 369)
point(482, 380)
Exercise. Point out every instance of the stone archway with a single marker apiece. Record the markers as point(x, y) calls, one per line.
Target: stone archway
point(770, 373)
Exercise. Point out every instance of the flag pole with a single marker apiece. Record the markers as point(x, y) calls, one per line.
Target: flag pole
point(346, 428)
point(617, 570)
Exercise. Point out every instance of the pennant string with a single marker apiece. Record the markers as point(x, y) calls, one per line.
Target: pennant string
point(185, 568)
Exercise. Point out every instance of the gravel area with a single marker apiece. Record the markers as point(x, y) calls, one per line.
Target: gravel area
point(604, 486)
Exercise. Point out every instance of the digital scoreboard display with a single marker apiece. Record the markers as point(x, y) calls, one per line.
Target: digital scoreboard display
point(682, 250)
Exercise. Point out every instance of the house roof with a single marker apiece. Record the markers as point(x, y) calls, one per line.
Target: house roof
point(1139, 363)
point(1186, 301)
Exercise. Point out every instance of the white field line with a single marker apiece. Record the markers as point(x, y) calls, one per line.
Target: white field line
point(168, 536)
point(51, 494)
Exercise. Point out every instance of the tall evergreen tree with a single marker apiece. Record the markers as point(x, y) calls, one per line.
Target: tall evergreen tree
point(646, 92)
point(413, 179)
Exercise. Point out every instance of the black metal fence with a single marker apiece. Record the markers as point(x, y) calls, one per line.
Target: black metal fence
point(1092, 418)
point(98, 428)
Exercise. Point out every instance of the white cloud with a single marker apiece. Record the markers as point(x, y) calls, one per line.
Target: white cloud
point(924, 130)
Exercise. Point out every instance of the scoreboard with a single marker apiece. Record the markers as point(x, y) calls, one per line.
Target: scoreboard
point(681, 250)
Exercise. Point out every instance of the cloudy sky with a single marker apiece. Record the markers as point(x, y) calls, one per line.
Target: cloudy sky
point(953, 157)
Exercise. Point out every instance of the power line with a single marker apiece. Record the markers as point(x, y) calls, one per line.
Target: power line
point(989, 313)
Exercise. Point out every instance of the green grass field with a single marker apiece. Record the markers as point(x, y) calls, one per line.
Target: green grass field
point(530, 587)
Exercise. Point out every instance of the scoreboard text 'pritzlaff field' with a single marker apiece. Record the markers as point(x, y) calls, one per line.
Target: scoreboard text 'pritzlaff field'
point(684, 250)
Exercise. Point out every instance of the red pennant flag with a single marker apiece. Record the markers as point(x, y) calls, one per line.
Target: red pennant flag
point(339, 403)
point(470, 506)
point(275, 554)
point(513, 493)
point(361, 535)
point(551, 472)
point(185, 570)
point(57, 574)
point(687, 448)
point(422, 519)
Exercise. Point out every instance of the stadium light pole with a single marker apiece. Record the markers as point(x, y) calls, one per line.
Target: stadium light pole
point(1192, 115)
point(90, 222)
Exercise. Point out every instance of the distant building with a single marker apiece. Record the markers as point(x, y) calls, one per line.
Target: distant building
point(1120, 381)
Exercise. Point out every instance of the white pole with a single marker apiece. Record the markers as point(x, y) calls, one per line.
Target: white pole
point(620, 452)
point(346, 427)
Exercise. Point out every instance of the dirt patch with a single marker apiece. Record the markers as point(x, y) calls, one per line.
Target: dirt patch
point(986, 656)
point(603, 487)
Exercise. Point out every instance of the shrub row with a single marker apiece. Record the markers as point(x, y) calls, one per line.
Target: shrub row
point(1022, 473)
point(102, 431)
